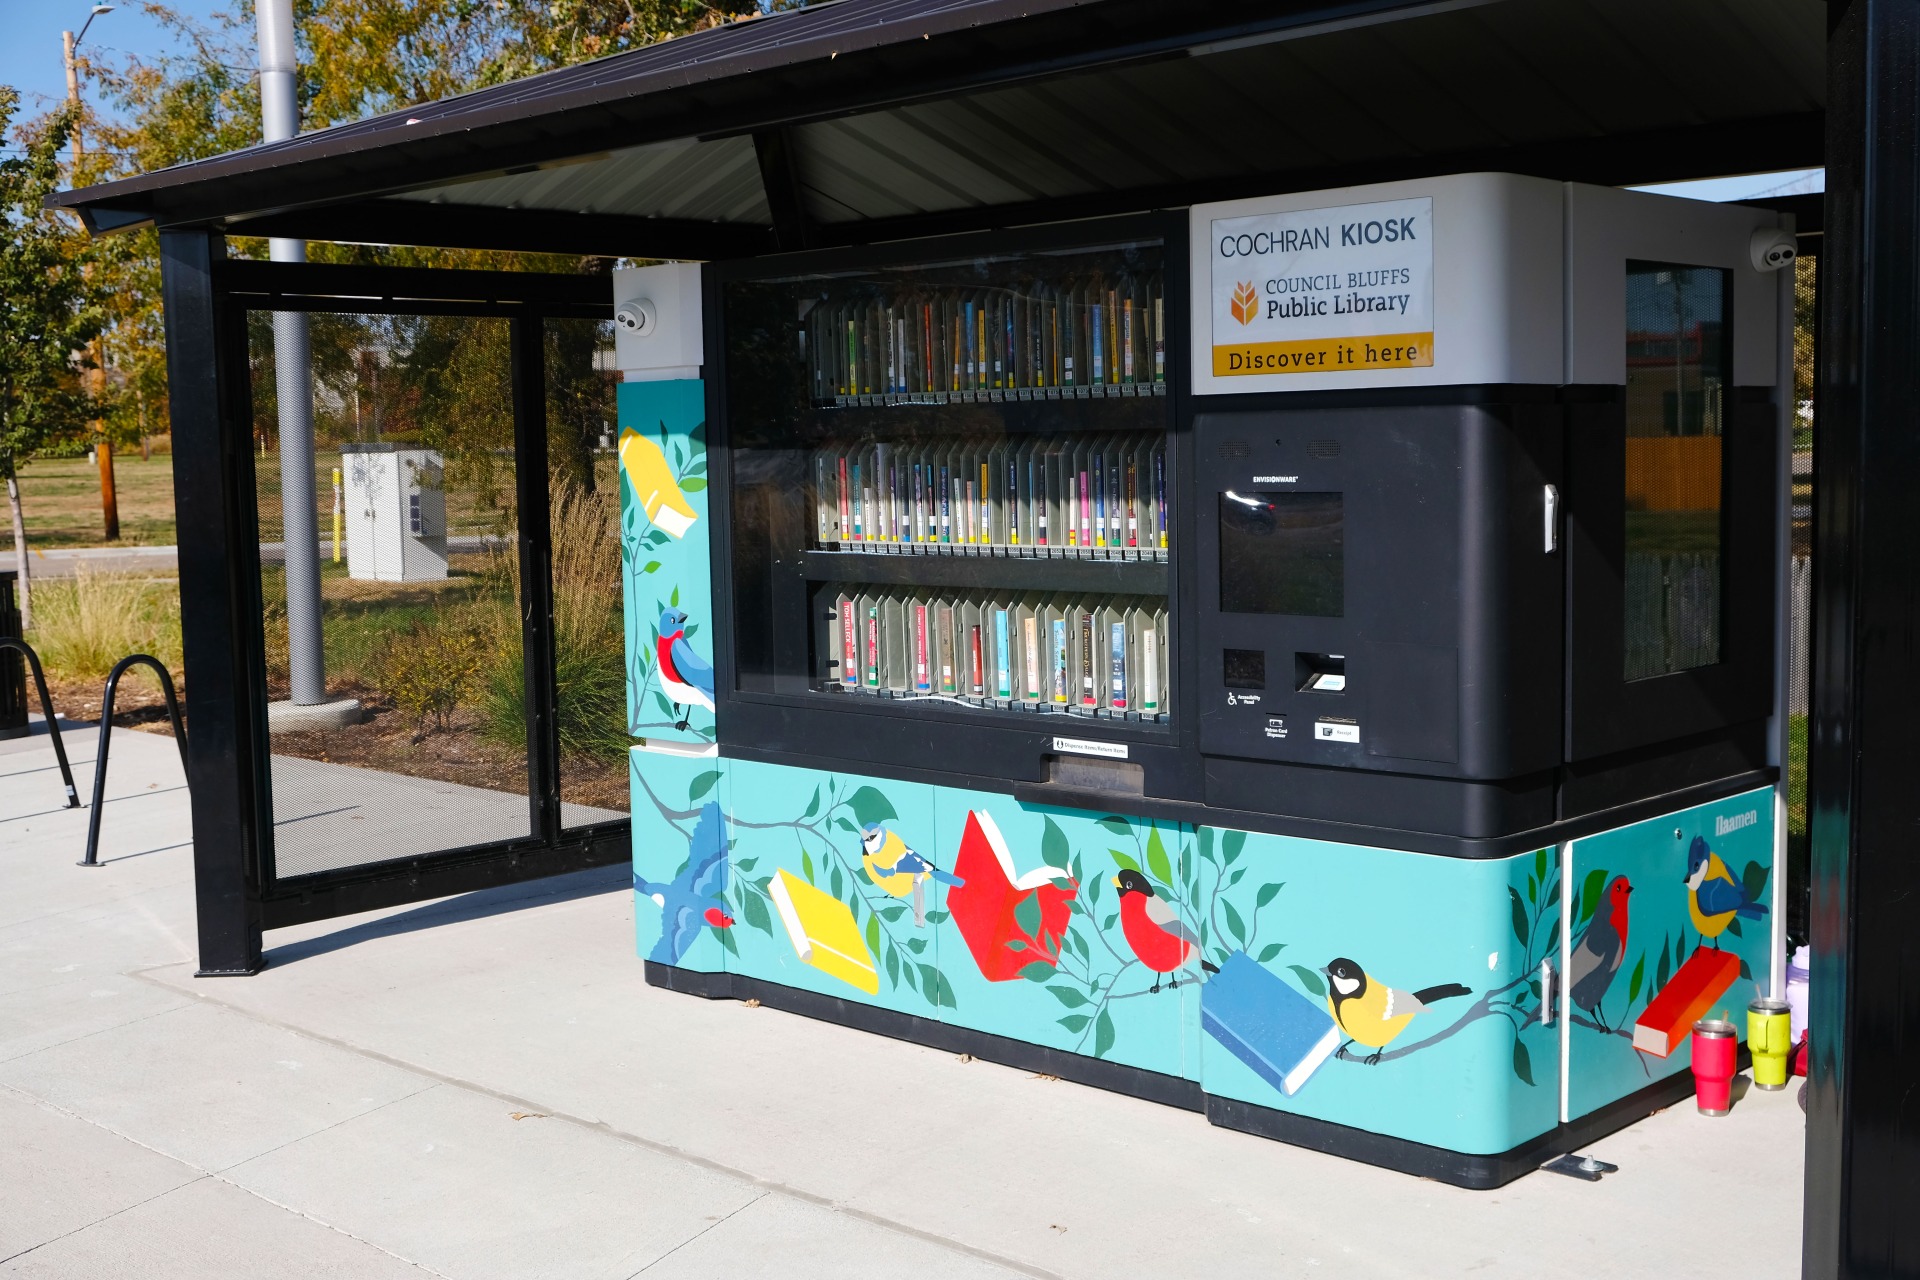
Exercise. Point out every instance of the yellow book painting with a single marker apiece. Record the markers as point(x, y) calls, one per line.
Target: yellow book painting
point(823, 931)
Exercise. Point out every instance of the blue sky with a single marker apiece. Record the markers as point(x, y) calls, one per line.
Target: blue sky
point(30, 49)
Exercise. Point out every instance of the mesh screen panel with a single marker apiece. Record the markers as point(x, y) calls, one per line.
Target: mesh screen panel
point(418, 586)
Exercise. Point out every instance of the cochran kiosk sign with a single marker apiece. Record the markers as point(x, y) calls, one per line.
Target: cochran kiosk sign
point(1324, 290)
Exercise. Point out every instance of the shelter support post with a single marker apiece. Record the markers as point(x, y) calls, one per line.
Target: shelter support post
point(219, 605)
point(536, 560)
point(1863, 1133)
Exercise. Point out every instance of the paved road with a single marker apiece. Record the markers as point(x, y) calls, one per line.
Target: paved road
point(486, 1087)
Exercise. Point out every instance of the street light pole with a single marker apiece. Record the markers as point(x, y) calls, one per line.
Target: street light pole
point(109, 500)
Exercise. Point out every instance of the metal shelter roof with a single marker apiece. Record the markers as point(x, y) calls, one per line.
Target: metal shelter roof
point(864, 120)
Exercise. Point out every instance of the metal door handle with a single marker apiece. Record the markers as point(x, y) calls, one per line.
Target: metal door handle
point(1550, 511)
point(1549, 993)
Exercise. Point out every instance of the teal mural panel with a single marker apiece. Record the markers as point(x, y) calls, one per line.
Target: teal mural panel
point(1389, 991)
point(1672, 921)
point(837, 887)
point(666, 558)
point(683, 894)
point(1072, 930)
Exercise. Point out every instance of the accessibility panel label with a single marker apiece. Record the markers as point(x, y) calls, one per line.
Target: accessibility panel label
point(1324, 290)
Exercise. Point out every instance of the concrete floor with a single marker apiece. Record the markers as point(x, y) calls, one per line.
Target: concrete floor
point(486, 1087)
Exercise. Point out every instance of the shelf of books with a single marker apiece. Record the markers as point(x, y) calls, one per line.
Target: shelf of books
point(961, 470)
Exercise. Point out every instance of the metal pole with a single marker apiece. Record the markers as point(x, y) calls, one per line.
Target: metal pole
point(293, 378)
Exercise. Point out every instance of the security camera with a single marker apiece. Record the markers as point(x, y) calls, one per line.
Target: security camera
point(1773, 249)
point(637, 317)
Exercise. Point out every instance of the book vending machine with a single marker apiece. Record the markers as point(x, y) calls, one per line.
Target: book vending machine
point(1310, 659)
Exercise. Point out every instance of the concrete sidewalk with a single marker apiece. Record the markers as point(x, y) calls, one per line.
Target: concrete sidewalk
point(486, 1087)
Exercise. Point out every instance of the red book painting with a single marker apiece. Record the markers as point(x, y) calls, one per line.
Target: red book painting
point(1669, 1019)
point(1008, 922)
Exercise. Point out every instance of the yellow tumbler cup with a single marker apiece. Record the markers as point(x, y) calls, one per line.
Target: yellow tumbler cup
point(1768, 1040)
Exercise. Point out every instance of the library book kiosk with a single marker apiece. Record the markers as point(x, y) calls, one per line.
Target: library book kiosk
point(1309, 660)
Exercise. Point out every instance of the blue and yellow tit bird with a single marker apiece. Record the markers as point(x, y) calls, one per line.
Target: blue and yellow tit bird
point(897, 870)
point(1714, 897)
point(1371, 1012)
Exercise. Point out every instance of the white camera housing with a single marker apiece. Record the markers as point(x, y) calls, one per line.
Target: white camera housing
point(657, 327)
point(1773, 249)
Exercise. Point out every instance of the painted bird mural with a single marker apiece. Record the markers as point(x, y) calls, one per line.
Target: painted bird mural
point(690, 902)
point(897, 870)
point(1599, 951)
point(685, 677)
point(659, 495)
point(1714, 897)
point(1153, 930)
point(1370, 1012)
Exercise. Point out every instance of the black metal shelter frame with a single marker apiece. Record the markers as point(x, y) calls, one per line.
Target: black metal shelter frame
point(876, 120)
point(207, 299)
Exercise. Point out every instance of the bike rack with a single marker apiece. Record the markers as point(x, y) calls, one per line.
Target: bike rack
point(46, 710)
point(106, 734)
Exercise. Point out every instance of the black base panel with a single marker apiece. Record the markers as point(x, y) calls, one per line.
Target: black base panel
point(1008, 1052)
point(1473, 1172)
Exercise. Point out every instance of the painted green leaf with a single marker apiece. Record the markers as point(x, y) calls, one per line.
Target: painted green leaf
point(1522, 1062)
point(1540, 865)
point(916, 945)
point(1754, 881)
point(1067, 996)
point(1124, 861)
point(1119, 826)
point(1102, 1034)
point(1268, 892)
point(1639, 976)
point(1016, 944)
point(806, 865)
point(1038, 971)
point(1106, 925)
point(754, 908)
point(726, 940)
point(893, 967)
point(873, 932)
point(936, 917)
point(674, 599)
point(893, 911)
point(1519, 916)
point(693, 484)
point(1271, 950)
point(913, 981)
point(666, 708)
point(1026, 914)
point(1231, 846)
point(1075, 1023)
point(1205, 838)
point(1745, 972)
point(869, 807)
point(1590, 893)
point(1553, 937)
point(1157, 865)
point(1235, 925)
point(934, 984)
point(1533, 889)
point(651, 566)
point(813, 805)
point(838, 885)
point(1309, 979)
point(701, 784)
point(1664, 971)
point(1235, 878)
point(744, 865)
point(1054, 850)
point(1733, 927)
point(840, 820)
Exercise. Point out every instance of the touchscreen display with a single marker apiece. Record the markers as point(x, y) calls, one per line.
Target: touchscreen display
point(1282, 553)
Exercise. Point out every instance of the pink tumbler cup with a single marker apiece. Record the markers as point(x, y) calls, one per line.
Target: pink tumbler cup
point(1715, 1054)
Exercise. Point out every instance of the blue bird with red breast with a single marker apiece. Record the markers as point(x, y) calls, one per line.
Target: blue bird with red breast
point(685, 677)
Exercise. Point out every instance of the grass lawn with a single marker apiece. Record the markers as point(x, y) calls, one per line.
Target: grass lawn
point(61, 500)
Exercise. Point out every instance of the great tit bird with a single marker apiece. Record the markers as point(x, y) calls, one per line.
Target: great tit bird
point(1599, 951)
point(685, 677)
point(897, 870)
point(688, 902)
point(1373, 1013)
point(1154, 931)
point(1714, 897)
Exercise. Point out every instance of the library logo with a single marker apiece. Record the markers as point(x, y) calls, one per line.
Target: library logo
point(1245, 303)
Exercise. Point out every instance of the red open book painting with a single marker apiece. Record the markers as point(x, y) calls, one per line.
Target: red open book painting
point(1008, 922)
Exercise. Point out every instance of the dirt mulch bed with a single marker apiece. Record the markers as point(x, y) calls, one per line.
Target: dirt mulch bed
point(384, 740)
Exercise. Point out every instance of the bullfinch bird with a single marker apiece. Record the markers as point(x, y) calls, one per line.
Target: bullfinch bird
point(1372, 1013)
point(685, 677)
point(1714, 897)
point(897, 870)
point(1599, 951)
point(688, 903)
point(1153, 930)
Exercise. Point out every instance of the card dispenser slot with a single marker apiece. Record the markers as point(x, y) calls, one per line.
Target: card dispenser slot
point(1320, 672)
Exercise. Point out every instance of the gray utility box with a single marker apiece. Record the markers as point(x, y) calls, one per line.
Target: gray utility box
point(396, 514)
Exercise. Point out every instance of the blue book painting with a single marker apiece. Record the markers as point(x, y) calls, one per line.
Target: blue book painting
point(1279, 1033)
